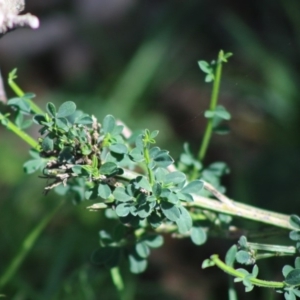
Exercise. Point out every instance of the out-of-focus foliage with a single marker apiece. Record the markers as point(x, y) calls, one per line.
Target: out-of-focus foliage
point(138, 61)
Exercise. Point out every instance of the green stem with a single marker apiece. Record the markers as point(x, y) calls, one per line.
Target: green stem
point(35, 108)
point(23, 135)
point(27, 245)
point(19, 92)
point(148, 160)
point(118, 281)
point(15, 87)
point(212, 107)
point(258, 282)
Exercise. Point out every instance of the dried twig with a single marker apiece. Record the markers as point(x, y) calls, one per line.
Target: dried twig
point(3, 97)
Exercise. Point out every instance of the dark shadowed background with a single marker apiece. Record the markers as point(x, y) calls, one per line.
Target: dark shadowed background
point(138, 60)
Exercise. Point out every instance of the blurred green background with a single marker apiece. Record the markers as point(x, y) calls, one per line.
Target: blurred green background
point(138, 61)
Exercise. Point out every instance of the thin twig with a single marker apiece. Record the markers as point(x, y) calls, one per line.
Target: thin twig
point(207, 186)
point(3, 97)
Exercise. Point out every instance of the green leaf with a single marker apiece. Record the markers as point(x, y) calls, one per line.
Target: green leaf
point(198, 235)
point(144, 183)
point(226, 56)
point(118, 148)
point(108, 124)
point(204, 66)
point(184, 222)
point(91, 193)
point(104, 190)
point(289, 295)
point(297, 263)
point(170, 210)
point(154, 220)
point(50, 107)
point(243, 257)
point(175, 177)
point(25, 123)
point(117, 130)
point(293, 277)
point(108, 168)
point(123, 209)
point(137, 264)
point(255, 271)
point(20, 103)
point(243, 242)
point(154, 134)
point(294, 235)
point(143, 211)
point(29, 96)
point(84, 120)
point(185, 197)
point(62, 123)
point(156, 189)
point(142, 249)
point(136, 155)
point(230, 255)
point(249, 288)
point(47, 144)
point(209, 77)
point(207, 263)
point(121, 195)
point(66, 109)
point(209, 114)
point(110, 214)
point(194, 187)
point(160, 174)
point(286, 270)
point(154, 151)
point(222, 113)
point(32, 165)
point(163, 159)
point(153, 240)
point(295, 221)
point(139, 142)
point(80, 170)
point(66, 155)
point(296, 292)
point(39, 119)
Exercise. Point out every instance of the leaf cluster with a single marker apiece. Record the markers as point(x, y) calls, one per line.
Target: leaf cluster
point(88, 160)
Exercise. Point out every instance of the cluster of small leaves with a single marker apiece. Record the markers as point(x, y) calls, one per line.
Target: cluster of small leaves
point(292, 273)
point(69, 137)
point(295, 234)
point(188, 164)
point(212, 173)
point(242, 275)
point(292, 279)
point(246, 280)
point(87, 160)
point(123, 243)
point(245, 255)
point(209, 68)
point(240, 256)
point(23, 110)
point(219, 114)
